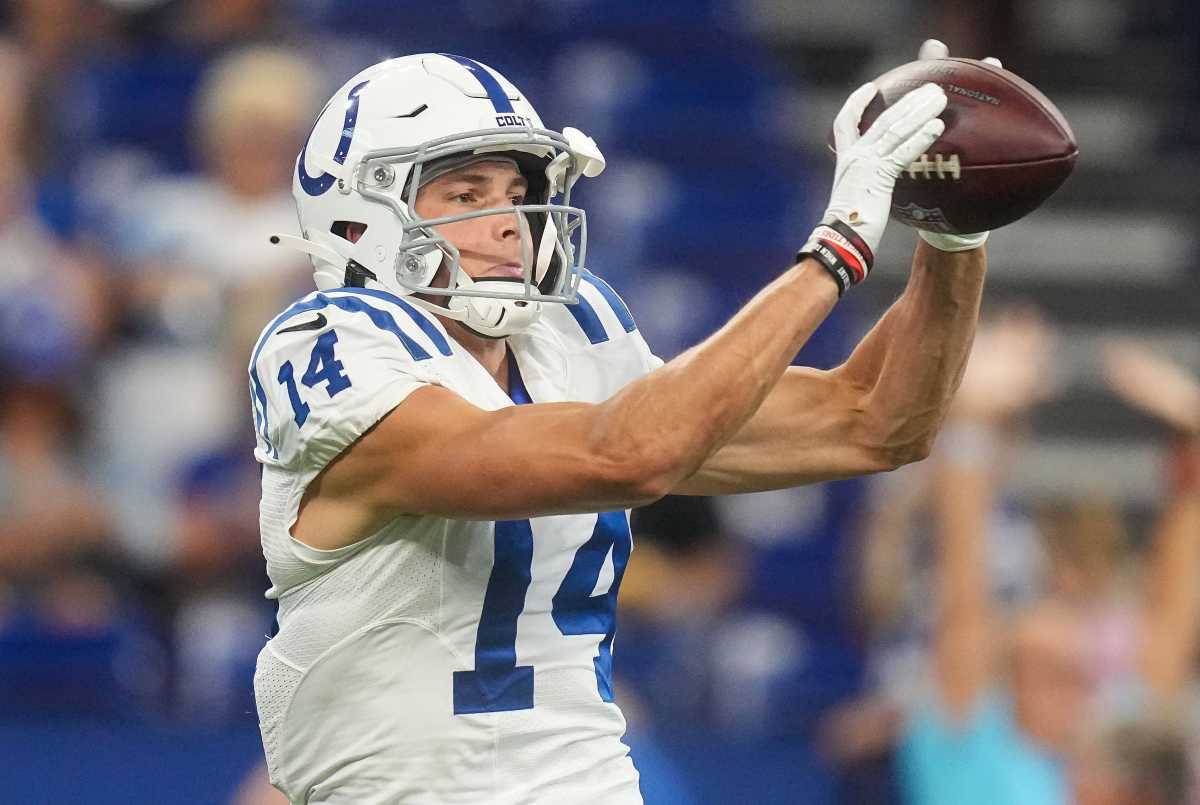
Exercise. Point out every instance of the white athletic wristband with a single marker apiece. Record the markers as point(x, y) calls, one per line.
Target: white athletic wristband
point(953, 243)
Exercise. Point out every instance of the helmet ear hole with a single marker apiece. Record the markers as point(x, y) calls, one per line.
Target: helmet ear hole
point(348, 230)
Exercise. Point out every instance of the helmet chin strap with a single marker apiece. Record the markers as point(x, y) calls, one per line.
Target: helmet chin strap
point(493, 318)
point(488, 317)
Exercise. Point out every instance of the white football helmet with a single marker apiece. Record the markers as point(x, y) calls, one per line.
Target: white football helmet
point(363, 163)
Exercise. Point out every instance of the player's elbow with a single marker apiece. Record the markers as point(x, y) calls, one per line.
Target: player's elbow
point(635, 476)
point(908, 454)
point(893, 455)
point(896, 444)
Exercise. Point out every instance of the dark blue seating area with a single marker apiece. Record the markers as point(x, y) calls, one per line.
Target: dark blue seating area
point(109, 764)
point(113, 673)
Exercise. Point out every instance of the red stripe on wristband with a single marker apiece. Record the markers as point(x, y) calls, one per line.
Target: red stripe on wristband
point(855, 240)
point(852, 260)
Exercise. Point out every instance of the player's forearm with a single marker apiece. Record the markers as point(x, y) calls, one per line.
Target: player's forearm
point(913, 360)
point(670, 421)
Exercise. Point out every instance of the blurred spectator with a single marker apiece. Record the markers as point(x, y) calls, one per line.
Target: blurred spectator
point(898, 553)
point(58, 563)
point(1011, 714)
point(204, 265)
point(226, 21)
point(202, 279)
point(675, 599)
point(691, 652)
point(49, 321)
point(51, 515)
point(51, 301)
point(1142, 756)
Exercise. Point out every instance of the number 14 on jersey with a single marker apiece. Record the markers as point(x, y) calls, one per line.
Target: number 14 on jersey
point(498, 684)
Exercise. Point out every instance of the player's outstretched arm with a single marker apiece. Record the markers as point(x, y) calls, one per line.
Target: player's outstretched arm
point(437, 454)
point(879, 410)
point(882, 408)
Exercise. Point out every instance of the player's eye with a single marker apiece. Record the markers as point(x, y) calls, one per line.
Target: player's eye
point(465, 198)
point(518, 200)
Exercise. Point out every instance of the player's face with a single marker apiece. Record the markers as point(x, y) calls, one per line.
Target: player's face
point(489, 246)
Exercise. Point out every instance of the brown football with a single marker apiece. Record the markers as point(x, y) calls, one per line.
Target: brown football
point(1005, 150)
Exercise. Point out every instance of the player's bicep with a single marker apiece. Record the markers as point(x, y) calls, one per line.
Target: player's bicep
point(438, 454)
point(812, 427)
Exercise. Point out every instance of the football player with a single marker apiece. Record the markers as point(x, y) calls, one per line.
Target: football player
point(453, 427)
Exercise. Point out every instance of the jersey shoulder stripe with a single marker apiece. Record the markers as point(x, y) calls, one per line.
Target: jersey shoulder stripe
point(615, 302)
point(336, 298)
point(586, 316)
point(420, 318)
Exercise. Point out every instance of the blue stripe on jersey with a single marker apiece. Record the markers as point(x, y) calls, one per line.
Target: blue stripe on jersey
point(488, 81)
point(380, 318)
point(585, 315)
point(615, 302)
point(422, 319)
point(260, 414)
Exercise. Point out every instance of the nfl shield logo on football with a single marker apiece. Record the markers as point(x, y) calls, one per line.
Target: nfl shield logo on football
point(922, 217)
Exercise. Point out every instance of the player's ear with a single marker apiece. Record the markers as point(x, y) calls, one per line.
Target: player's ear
point(348, 230)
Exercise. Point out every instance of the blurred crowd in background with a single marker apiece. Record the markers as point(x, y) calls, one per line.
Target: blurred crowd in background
point(1021, 607)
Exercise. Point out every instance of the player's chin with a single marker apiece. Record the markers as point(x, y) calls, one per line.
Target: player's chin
point(505, 272)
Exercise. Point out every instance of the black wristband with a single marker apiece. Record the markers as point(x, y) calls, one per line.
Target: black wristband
point(840, 250)
point(830, 262)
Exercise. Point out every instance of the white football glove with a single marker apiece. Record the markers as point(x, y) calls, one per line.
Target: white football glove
point(934, 49)
point(865, 176)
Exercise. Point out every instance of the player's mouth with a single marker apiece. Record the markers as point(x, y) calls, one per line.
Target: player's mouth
point(509, 269)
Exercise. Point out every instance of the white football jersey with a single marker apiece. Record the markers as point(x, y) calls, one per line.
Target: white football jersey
point(437, 661)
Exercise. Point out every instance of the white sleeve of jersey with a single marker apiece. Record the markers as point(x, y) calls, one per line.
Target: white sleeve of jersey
point(652, 360)
point(599, 328)
point(330, 367)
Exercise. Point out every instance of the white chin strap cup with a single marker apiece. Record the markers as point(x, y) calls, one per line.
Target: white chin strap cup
point(493, 318)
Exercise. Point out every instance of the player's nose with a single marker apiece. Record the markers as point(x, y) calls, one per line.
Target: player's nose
point(510, 229)
point(506, 225)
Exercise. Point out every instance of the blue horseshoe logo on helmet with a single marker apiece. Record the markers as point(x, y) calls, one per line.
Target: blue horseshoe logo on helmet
point(316, 185)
